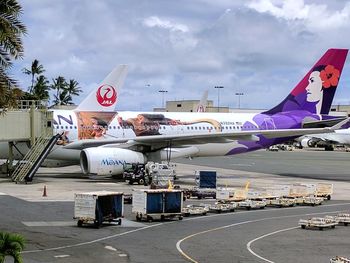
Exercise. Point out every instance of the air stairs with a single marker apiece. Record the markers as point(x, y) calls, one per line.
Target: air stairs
point(29, 165)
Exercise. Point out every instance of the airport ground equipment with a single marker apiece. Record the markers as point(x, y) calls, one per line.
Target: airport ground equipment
point(252, 204)
point(195, 210)
point(150, 204)
point(219, 207)
point(31, 162)
point(161, 173)
point(135, 172)
point(98, 207)
point(206, 179)
point(282, 202)
point(318, 222)
point(201, 193)
point(341, 218)
point(339, 259)
point(324, 190)
point(313, 201)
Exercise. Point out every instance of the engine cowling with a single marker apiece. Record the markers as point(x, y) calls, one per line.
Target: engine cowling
point(108, 161)
point(308, 142)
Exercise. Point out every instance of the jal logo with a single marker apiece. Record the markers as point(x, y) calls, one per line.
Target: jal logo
point(106, 95)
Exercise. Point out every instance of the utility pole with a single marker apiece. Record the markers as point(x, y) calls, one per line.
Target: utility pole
point(218, 88)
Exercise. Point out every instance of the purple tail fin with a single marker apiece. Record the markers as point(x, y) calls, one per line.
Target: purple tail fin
point(315, 92)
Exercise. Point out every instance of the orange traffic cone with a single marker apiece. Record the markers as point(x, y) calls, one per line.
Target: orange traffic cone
point(44, 193)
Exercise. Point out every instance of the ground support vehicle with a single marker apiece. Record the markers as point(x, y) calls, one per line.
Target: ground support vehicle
point(252, 204)
point(313, 201)
point(98, 207)
point(338, 259)
point(160, 174)
point(150, 204)
point(135, 172)
point(318, 222)
point(341, 218)
point(282, 202)
point(206, 179)
point(203, 193)
point(222, 207)
point(195, 210)
point(324, 190)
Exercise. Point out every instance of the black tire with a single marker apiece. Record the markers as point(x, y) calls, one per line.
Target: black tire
point(320, 228)
point(149, 219)
point(248, 208)
point(204, 214)
point(119, 221)
point(262, 207)
point(80, 223)
point(199, 196)
point(303, 226)
point(141, 181)
point(180, 217)
point(138, 217)
point(328, 197)
point(131, 182)
point(162, 217)
point(345, 224)
point(97, 224)
point(332, 226)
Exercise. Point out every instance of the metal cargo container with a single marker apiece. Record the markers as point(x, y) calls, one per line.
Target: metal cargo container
point(98, 207)
point(162, 203)
point(207, 179)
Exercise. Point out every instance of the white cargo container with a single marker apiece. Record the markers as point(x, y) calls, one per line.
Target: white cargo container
point(98, 207)
point(324, 190)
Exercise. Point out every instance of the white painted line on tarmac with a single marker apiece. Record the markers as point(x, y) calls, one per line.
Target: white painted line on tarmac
point(48, 223)
point(263, 236)
point(62, 256)
point(2, 193)
point(110, 248)
point(178, 244)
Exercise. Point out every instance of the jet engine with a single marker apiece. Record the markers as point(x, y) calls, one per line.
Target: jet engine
point(308, 142)
point(108, 161)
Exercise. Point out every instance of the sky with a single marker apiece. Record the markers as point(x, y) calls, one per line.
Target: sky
point(261, 48)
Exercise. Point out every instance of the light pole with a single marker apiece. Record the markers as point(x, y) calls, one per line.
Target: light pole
point(239, 94)
point(162, 91)
point(218, 88)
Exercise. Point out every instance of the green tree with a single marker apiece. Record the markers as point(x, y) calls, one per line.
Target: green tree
point(59, 84)
point(35, 69)
point(41, 88)
point(11, 47)
point(11, 245)
point(73, 88)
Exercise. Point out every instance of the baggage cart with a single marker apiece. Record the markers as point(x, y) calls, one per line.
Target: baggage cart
point(203, 193)
point(282, 202)
point(98, 207)
point(341, 218)
point(318, 222)
point(312, 200)
point(339, 259)
point(252, 204)
point(153, 204)
point(195, 210)
point(222, 207)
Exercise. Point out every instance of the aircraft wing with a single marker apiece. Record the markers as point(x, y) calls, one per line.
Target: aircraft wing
point(162, 141)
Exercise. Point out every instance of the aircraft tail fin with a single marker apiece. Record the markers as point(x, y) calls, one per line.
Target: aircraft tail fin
point(105, 96)
point(201, 107)
point(315, 92)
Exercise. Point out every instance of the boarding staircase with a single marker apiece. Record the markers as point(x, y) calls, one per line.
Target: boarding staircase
point(28, 166)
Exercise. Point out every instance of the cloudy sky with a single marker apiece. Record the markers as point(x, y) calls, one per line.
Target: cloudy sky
point(259, 47)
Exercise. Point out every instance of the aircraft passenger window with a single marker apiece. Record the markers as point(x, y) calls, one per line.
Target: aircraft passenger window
point(191, 128)
point(118, 127)
point(195, 128)
point(61, 127)
point(75, 127)
point(188, 128)
point(66, 127)
point(199, 128)
point(70, 127)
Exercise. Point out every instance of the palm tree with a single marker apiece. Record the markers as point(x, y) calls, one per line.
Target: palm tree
point(36, 69)
point(41, 88)
point(59, 85)
point(11, 245)
point(11, 46)
point(63, 98)
point(73, 88)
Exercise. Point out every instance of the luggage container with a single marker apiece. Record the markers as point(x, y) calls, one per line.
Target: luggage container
point(201, 193)
point(341, 218)
point(282, 202)
point(277, 191)
point(222, 207)
point(98, 207)
point(206, 179)
point(324, 190)
point(157, 203)
point(223, 194)
point(318, 222)
point(312, 200)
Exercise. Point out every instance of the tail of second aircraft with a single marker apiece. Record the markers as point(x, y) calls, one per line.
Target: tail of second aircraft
point(201, 107)
point(105, 96)
point(315, 92)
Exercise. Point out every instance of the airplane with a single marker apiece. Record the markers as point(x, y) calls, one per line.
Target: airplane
point(201, 107)
point(103, 140)
point(327, 140)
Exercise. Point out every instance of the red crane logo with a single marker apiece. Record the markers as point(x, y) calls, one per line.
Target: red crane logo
point(106, 95)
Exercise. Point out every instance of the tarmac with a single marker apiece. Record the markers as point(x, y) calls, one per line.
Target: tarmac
point(269, 235)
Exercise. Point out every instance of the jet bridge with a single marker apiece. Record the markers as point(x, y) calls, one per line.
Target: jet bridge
point(30, 122)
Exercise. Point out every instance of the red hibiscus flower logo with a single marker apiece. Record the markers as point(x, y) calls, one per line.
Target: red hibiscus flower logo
point(329, 76)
